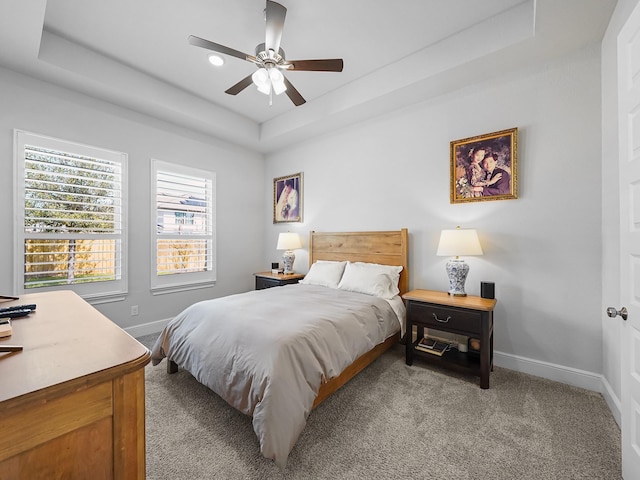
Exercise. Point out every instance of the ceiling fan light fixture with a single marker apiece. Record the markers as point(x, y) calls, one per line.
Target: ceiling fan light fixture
point(277, 81)
point(261, 79)
point(265, 80)
point(279, 88)
point(265, 88)
point(216, 60)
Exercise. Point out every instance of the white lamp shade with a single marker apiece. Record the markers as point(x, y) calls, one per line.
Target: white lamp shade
point(288, 241)
point(264, 88)
point(277, 81)
point(458, 242)
point(260, 77)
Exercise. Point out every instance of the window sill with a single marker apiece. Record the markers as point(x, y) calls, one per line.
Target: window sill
point(164, 289)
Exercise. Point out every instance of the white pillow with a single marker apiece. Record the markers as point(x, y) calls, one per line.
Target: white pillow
point(324, 273)
point(372, 279)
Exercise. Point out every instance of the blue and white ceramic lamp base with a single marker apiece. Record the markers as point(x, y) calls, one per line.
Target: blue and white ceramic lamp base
point(288, 258)
point(457, 270)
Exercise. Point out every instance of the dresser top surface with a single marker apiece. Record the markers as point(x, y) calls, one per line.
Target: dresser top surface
point(65, 339)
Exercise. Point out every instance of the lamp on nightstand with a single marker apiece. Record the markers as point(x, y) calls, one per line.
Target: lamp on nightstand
point(454, 243)
point(288, 242)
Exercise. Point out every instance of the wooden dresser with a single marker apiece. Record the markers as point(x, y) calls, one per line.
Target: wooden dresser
point(72, 402)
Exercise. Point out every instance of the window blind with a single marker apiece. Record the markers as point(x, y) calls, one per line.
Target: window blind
point(184, 226)
point(72, 214)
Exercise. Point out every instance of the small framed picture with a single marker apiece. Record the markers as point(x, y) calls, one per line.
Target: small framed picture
point(485, 167)
point(287, 199)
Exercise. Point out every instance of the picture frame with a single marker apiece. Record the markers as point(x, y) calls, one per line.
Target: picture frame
point(287, 199)
point(485, 167)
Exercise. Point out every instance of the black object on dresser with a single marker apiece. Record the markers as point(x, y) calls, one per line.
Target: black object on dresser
point(469, 316)
point(268, 279)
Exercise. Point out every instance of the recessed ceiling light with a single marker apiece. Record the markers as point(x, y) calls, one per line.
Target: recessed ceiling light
point(216, 60)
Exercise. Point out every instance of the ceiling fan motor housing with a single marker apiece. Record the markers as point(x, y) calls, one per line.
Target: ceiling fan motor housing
point(269, 56)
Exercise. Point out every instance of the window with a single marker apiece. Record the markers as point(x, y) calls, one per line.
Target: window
point(71, 223)
point(184, 233)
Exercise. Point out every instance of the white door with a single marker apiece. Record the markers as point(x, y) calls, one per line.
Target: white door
point(629, 131)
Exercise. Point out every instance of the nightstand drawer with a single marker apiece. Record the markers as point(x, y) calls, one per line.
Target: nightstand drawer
point(262, 283)
point(464, 321)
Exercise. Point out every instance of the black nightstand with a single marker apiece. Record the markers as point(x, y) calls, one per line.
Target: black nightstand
point(469, 316)
point(268, 279)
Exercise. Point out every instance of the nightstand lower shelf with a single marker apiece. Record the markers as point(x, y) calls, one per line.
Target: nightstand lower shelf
point(453, 360)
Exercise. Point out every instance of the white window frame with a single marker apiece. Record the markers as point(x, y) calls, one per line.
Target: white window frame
point(161, 284)
point(95, 292)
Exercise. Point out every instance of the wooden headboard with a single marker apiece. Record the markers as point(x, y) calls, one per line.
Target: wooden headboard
point(385, 248)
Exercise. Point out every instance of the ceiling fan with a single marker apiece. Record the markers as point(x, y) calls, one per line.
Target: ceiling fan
point(270, 60)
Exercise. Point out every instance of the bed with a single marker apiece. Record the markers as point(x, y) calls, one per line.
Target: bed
point(275, 354)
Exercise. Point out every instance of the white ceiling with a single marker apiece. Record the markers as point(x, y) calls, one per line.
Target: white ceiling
point(134, 53)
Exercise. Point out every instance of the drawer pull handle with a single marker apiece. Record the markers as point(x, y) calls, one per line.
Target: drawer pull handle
point(441, 320)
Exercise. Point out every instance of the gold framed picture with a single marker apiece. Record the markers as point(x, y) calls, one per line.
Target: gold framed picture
point(485, 167)
point(287, 199)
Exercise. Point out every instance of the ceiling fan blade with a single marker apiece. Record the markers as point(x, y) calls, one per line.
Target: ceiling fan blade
point(274, 18)
point(328, 65)
point(241, 85)
point(293, 94)
point(216, 47)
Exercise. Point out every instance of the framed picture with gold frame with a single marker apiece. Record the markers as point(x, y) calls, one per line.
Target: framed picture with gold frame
point(485, 167)
point(287, 198)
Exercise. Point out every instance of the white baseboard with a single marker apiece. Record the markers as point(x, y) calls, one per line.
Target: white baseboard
point(612, 401)
point(558, 373)
point(147, 328)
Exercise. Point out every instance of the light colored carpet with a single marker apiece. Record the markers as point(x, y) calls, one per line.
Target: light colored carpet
point(392, 422)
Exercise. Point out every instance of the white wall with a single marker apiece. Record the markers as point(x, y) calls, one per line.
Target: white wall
point(611, 328)
point(542, 250)
point(38, 107)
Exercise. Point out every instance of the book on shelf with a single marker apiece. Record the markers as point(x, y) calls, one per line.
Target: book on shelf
point(433, 346)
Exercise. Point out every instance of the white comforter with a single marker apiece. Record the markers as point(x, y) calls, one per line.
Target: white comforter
point(266, 352)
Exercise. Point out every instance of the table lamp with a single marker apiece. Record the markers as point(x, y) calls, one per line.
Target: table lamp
point(288, 242)
point(454, 243)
